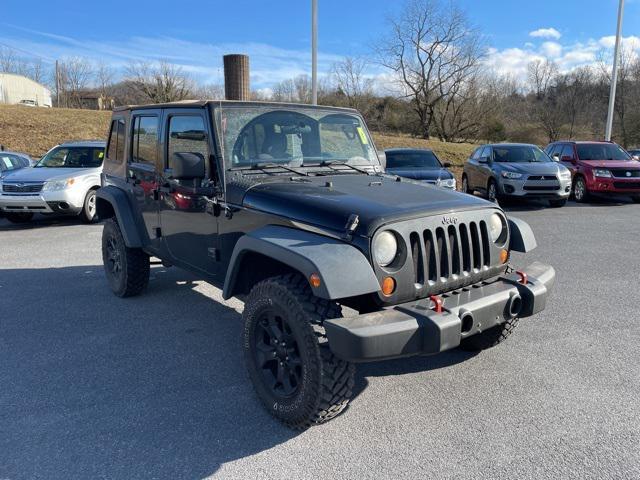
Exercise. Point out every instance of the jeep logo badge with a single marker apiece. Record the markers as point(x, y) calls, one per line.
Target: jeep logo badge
point(449, 220)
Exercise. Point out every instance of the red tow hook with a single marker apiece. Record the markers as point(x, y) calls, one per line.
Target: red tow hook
point(438, 303)
point(524, 279)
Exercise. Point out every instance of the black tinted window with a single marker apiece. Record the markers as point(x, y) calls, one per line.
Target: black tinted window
point(412, 160)
point(115, 150)
point(145, 140)
point(187, 134)
point(601, 151)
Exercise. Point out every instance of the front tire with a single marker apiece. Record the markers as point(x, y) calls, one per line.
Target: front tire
point(20, 217)
point(492, 191)
point(127, 269)
point(88, 213)
point(580, 192)
point(465, 185)
point(293, 371)
point(489, 338)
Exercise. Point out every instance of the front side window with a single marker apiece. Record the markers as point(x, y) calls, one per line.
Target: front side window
point(518, 154)
point(293, 136)
point(413, 160)
point(567, 151)
point(145, 140)
point(187, 134)
point(72, 157)
point(601, 151)
point(12, 162)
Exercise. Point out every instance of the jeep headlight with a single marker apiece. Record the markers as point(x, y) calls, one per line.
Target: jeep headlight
point(385, 248)
point(511, 175)
point(54, 185)
point(497, 229)
point(601, 172)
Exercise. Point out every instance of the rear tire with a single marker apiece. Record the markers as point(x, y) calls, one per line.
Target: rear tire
point(558, 203)
point(127, 269)
point(19, 217)
point(489, 338)
point(294, 373)
point(88, 213)
point(580, 192)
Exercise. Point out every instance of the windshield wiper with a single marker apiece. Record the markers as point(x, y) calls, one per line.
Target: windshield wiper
point(329, 163)
point(268, 165)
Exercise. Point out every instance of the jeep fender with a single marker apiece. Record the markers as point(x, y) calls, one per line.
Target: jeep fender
point(344, 271)
point(117, 199)
point(522, 237)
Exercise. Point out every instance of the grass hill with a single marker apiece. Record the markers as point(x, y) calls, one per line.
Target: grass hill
point(36, 130)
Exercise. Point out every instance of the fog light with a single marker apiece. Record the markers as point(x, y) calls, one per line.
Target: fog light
point(504, 256)
point(388, 286)
point(314, 280)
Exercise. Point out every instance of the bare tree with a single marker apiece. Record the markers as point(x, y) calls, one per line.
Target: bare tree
point(541, 75)
point(159, 83)
point(213, 91)
point(75, 75)
point(431, 48)
point(285, 91)
point(104, 78)
point(351, 81)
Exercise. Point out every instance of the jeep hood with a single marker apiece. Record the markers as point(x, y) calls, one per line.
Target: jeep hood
point(42, 174)
point(329, 201)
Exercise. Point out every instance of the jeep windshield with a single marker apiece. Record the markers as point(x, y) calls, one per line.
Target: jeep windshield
point(292, 137)
point(72, 157)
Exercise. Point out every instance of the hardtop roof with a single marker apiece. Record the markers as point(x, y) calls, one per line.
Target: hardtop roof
point(203, 103)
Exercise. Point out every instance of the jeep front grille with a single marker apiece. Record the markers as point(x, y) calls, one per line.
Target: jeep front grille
point(22, 187)
point(448, 252)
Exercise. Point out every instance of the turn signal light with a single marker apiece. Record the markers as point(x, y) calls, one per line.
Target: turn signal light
point(314, 280)
point(504, 256)
point(388, 286)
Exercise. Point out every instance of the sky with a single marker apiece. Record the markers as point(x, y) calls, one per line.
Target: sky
point(276, 33)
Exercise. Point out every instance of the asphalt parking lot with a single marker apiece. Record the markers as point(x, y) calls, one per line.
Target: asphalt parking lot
point(93, 386)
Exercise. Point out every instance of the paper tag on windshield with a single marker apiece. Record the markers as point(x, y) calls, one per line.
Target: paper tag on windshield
point(363, 137)
point(7, 162)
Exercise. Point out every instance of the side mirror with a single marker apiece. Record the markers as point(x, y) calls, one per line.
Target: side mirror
point(568, 158)
point(636, 157)
point(447, 165)
point(555, 157)
point(483, 160)
point(188, 166)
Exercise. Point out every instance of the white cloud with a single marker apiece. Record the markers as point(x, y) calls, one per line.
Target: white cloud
point(546, 33)
point(551, 49)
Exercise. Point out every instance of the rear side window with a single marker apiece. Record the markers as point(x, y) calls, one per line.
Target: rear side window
point(115, 150)
point(187, 134)
point(145, 140)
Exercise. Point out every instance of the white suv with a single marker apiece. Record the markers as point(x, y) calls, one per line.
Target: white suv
point(64, 181)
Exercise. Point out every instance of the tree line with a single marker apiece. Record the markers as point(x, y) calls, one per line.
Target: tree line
point(430, 81)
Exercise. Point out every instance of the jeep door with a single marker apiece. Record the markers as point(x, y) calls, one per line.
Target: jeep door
point(189, 227)
point(143, 166)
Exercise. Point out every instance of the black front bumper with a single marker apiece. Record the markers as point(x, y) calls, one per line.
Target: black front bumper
point(414, 328)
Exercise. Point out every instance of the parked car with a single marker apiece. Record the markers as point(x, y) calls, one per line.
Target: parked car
point(516, 170)
point(286, 211)
point(419, 164)
point(635, 153)
point(12, 161)
point(64, 181)
point(598, 167)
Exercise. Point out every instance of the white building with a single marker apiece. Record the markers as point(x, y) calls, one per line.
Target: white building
point(15, 89)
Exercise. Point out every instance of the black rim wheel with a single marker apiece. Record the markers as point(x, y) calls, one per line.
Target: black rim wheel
point(114, 256)
point(277, 354)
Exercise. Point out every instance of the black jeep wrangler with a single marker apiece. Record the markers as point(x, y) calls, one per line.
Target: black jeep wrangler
point(287, 207)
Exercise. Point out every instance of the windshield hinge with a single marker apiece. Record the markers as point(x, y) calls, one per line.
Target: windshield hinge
point(351, 226)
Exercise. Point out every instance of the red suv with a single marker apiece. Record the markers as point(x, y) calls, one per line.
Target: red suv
point(598, 167)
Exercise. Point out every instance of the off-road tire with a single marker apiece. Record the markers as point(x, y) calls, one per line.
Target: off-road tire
point(19, 217)
point(88, 212)
point(489, 338)
point(580, 186)
point(557, 203)
point(326, 381)
point(132, 275)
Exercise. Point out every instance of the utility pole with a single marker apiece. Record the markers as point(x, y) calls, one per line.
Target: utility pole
point(314, 52)
point(57, 85)
point(614, 75)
